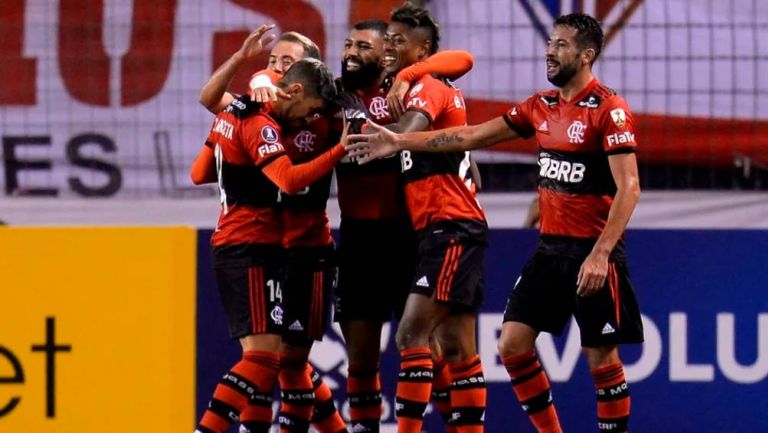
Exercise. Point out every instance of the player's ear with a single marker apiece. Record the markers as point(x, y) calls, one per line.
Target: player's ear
point(424, 49)
point(295, 89)
point(588, 56)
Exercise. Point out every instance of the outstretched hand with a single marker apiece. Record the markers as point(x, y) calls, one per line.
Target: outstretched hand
point(378, 143)
point(395, 98)
point(254, 44)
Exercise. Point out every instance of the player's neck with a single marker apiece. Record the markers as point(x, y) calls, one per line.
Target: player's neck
point(372, 87)
point(576, 85)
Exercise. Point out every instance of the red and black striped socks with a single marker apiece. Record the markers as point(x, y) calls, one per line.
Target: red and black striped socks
point(613, 402)
point(325, 418)
point(244, 393)
point(297, 396)
point(532, 389)
point(414, 387)
point(468, 395)
point(364, 394)
point(441, 395)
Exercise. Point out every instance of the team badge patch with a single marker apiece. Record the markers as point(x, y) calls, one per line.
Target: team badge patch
point(416, 89)
point(269, 134)
point(619, 117)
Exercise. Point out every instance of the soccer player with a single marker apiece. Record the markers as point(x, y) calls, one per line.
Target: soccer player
point(588, 189)
point(447, 287)
point(374, 220)
point(309, 267)
point(251, 168)
point(290, 48)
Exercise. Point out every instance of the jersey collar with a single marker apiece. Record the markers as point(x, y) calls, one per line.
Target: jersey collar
point(582, 94)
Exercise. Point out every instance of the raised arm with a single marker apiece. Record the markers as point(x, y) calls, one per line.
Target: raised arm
point(450, 64)
point(214, 95)
point(383, 143)
point(594, 270)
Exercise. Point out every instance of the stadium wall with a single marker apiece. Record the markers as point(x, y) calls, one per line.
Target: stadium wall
point(114, 329)
point(99, 97)
point(703, 367)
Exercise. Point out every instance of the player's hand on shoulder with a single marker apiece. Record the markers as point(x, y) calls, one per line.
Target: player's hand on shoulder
point(395, 98)
point(375, 142)
point(262, 90)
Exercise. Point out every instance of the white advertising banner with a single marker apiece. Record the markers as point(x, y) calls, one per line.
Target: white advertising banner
point(98, 98)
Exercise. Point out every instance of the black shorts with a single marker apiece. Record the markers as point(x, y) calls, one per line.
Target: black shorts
point(310, 277)
point(249, 279)
point(451, 267)
point(377, 260)
point(544, 298)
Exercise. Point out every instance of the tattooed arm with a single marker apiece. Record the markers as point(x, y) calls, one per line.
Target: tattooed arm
point(383, 142)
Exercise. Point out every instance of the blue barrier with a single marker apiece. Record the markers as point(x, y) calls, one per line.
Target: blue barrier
point(703, 368)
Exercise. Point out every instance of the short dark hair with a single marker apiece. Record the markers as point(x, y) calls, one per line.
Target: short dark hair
point(589, 34)
point(379, 26)
point(316, 78)
point(311, 50)
point(418, 18)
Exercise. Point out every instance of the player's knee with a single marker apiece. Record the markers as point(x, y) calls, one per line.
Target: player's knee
point(409, 336)
point(512, 347)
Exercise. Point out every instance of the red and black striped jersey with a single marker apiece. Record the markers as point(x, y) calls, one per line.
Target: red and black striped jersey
point(438, 185)
point(575, 139)
point(305, 220)
point(375, 190)
point(245, 138)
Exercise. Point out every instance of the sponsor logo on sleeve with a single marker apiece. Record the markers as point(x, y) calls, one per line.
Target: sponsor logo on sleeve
point(269, 134)
point(619, 117)
point(625, 137)
point(416, 89)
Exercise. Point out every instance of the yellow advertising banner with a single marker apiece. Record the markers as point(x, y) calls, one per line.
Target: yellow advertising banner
point(97, 330)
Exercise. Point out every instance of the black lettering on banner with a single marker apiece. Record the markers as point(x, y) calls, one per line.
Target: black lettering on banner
point(18, 377)
point(74, 155)
point(13, 165)
point(50, 348)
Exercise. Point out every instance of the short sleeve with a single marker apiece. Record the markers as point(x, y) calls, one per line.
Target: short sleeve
point(210, 140)
point(617, 124)
point(428, 97)
point(261, 139)
point(519, 117)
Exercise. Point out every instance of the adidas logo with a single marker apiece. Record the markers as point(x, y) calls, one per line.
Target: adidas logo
point(359, 428)
point(608, 329)
point(423, 282)
point(544, 127)
point(296, 326)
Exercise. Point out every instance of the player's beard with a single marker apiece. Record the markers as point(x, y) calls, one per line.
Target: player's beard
point(565, 72)
point(361, 78)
